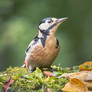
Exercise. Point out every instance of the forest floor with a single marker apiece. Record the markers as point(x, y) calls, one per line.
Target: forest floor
point(58, 79)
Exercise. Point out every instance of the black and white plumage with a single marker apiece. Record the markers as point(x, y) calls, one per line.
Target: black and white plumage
point(44, 48)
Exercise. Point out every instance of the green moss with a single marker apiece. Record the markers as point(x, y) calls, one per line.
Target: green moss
point(36, 81)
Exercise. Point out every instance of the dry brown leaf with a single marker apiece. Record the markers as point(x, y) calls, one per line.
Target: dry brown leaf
point(83, 75)
point(75, 85)
point(7, 84)
point(48, 74)
point(48, 90)
point(86, 66)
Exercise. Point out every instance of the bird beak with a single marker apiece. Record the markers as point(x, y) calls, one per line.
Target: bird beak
point(61, 20)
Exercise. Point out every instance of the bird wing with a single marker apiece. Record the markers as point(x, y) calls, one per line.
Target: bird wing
point(33, 42)
point(31, 47)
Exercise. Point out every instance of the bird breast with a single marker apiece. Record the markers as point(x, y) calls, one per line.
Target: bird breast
point(44, 56)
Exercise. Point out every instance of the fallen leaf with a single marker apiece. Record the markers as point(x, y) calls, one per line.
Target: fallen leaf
point(7, 84)
point(48, 74)
point(48, 90)
point(86, 66)
point(85, 76)
point(75, 85)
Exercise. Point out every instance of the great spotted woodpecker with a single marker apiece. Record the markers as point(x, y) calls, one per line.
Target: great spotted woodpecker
point(44, 48)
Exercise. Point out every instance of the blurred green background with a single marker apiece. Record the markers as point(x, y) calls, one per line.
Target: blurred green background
point(19, 21)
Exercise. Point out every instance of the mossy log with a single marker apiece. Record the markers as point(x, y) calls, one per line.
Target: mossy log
point(18, 79)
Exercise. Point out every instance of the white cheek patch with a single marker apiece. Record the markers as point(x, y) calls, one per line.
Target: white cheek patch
point(44, 26)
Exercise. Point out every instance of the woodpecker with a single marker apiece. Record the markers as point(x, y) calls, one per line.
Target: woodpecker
point(44, 48)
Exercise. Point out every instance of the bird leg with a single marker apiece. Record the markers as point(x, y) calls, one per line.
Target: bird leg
point(31, 69)
point(47, 69)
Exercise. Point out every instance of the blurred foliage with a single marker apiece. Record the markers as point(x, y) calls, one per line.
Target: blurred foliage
point(19, 21)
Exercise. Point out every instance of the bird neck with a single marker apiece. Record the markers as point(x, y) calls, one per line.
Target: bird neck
point(47, 33)
point(44, 35)
point(40, 35)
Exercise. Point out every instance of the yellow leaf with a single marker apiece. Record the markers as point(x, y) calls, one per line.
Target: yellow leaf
point(86, 66)
point(75, 85)
point(84, 76)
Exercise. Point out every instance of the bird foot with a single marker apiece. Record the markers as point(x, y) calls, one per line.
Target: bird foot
point(31, 69)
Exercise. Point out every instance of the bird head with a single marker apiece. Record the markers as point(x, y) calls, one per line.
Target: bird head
point(50, 25)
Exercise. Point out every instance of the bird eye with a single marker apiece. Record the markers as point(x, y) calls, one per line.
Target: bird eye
point(50, 21)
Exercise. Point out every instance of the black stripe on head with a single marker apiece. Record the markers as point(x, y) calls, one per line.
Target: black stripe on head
point(45, 19)
point(45, 33)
